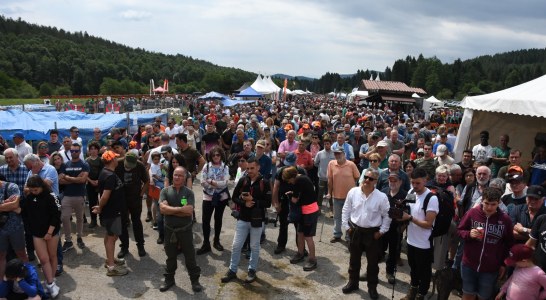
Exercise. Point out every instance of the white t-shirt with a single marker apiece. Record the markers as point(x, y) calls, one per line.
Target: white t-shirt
point(175, 131)
point(481, 153)
point(419, 236)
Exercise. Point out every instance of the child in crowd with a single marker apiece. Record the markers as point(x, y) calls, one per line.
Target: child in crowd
point(528, 281)
point(21, 282)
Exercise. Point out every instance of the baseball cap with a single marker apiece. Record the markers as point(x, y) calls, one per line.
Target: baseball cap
point(109, 155)
point(514, 178)
point(290, 159)
point(421, 150)
point(260, 143)
point(130, 161)
point(19, 134)
point(394, 175)
point(441, 150)
point(514, 169)
point(288, 127)
point(337, 149)
point(518, 252)
point(306, 126)
point(166, 149)
point(382, 144)
point(416, 125)
point(535, 191)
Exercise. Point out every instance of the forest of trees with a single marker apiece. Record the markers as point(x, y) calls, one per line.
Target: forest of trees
point(42, 61)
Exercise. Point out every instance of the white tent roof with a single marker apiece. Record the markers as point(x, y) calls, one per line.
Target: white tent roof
point(261, 86)
point(270, 84)
point(433, 100)
point(525, 99)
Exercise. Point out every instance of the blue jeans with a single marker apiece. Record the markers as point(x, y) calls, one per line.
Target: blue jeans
point(338, 207)
point(242, 230)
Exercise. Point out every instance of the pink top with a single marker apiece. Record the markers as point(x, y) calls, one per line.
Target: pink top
point(285, 146)
point(525, 283)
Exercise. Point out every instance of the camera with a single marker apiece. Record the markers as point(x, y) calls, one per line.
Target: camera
point(397, 211)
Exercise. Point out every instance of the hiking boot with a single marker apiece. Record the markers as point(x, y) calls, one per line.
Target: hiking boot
point(218, 246)
point(411, 293)
point(154, 226)
point(123, 252)
point(279, 250)
point(67, 246)
point(167, 284)
point(230, 275)
point(141, 251)
point(251, 276)
point(297, 258)
point(117, 271)
point(310, 265)
point(196, 286)
point(391, 279)
point(204, 249)
point(335, 239)
point(80, 243)
point(117, 262)
point(350, 287)
point(53, 289)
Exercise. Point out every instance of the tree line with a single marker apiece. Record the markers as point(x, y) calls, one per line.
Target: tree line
point(42, 61)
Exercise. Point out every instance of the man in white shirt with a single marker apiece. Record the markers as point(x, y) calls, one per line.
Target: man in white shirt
point(22, 147)
point(419, 231)
point(483, 152)
point(365, 215)
point(172, 131)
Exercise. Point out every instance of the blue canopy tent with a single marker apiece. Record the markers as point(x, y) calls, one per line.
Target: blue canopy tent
point(249, 92)
point(36, 125)
point(233, 102)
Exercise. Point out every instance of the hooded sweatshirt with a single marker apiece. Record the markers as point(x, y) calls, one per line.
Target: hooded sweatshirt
point(488, 254)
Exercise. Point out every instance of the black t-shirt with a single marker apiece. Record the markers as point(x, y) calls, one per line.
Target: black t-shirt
point(538, 232)
point(285, 186)
point(108, 180)
point(132, 179)
point(211, 137)
point(227, 137)
point(220, 126)
point(304, 190)
point(512, 202)
point(74, 169)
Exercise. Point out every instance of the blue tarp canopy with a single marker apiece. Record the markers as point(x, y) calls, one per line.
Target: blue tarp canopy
point(36, 125)
point(233, 102)
point(249, 92)
point(213, 95)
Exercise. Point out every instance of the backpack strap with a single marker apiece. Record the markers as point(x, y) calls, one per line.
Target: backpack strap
point(427, 199)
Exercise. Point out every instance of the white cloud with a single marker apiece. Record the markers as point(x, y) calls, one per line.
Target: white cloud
point(134, 15)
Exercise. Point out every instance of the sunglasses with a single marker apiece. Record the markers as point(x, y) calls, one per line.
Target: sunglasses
point(74, 151)
point(216, 154)
point(420, 154)
point(76, 131)
point(374, 160)
point(369, 178)
point(43, 147)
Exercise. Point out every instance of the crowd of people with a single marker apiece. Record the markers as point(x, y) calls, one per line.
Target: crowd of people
point(382, 174)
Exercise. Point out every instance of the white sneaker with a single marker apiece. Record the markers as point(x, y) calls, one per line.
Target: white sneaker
point(53, 289)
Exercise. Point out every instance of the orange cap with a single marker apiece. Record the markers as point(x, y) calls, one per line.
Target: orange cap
point(109, 155)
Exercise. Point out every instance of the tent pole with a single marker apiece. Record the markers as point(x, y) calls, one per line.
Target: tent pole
point(55, 125)
point(128, 123)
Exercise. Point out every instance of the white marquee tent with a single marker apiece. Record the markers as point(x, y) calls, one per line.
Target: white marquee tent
point(519, 111)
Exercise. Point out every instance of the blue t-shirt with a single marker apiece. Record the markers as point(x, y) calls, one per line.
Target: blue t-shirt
point(49, 172)
point(73, 169)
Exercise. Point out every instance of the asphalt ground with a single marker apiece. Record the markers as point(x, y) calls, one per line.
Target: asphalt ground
point(85, 276)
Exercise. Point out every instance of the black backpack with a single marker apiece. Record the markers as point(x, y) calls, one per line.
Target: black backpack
point(446, 210)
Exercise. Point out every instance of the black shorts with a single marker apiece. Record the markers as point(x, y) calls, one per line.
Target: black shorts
point(112, 225)
point(308, 224)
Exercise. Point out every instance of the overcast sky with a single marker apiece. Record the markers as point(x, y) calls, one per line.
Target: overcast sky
point(300, 37)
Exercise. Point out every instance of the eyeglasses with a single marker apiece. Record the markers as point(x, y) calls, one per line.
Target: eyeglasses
point(369, 178)
point(74, 151)
point(374, 160)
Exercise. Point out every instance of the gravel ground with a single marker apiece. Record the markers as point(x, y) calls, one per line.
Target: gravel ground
point(85, 276)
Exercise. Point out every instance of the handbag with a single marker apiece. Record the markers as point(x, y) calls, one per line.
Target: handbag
point(153, 192)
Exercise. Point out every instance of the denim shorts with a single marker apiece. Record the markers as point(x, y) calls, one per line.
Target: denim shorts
point(478, 283)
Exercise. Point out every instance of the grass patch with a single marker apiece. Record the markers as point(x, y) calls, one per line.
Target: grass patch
point(36, 101)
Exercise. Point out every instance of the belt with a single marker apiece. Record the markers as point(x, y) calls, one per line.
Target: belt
point(363, 229)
